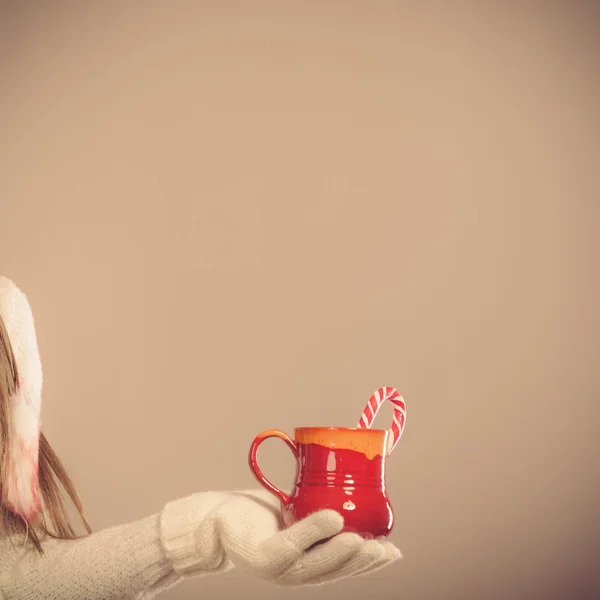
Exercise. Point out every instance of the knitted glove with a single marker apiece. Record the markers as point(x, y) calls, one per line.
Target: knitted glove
point(215, 531)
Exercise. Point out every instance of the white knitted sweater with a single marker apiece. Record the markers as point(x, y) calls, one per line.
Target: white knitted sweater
point(134, 560)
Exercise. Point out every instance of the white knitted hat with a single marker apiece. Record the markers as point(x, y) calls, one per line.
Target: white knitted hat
point(21, 462)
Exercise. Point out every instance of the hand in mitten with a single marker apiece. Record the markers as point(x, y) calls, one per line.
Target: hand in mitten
point(243, 529)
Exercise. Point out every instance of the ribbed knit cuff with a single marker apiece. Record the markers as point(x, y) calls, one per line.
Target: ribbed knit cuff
point(189, 535)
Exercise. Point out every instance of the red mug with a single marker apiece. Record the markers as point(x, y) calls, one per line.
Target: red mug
point(337, 468)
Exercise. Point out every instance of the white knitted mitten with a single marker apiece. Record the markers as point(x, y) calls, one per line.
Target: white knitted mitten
point(215, 531)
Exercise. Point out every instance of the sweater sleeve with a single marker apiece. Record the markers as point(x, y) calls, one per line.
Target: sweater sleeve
point(132, 561)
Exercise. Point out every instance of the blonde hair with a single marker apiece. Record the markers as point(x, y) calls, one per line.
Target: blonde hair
point(55, 484)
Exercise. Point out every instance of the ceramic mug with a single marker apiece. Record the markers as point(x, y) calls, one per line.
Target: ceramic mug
point(337, 468)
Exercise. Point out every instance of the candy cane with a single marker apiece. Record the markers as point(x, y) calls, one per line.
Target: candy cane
point(372, 407)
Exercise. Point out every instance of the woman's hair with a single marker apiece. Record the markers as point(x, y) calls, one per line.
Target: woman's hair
point(54, 480)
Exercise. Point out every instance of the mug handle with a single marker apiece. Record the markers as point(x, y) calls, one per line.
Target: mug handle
point(252, 460)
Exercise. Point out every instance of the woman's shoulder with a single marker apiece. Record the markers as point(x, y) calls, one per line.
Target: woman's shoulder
point(12, 548)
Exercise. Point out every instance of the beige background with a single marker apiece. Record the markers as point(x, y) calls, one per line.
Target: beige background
point(236, 216)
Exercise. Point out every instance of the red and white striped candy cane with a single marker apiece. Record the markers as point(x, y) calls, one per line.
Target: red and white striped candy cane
point(372, 407)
